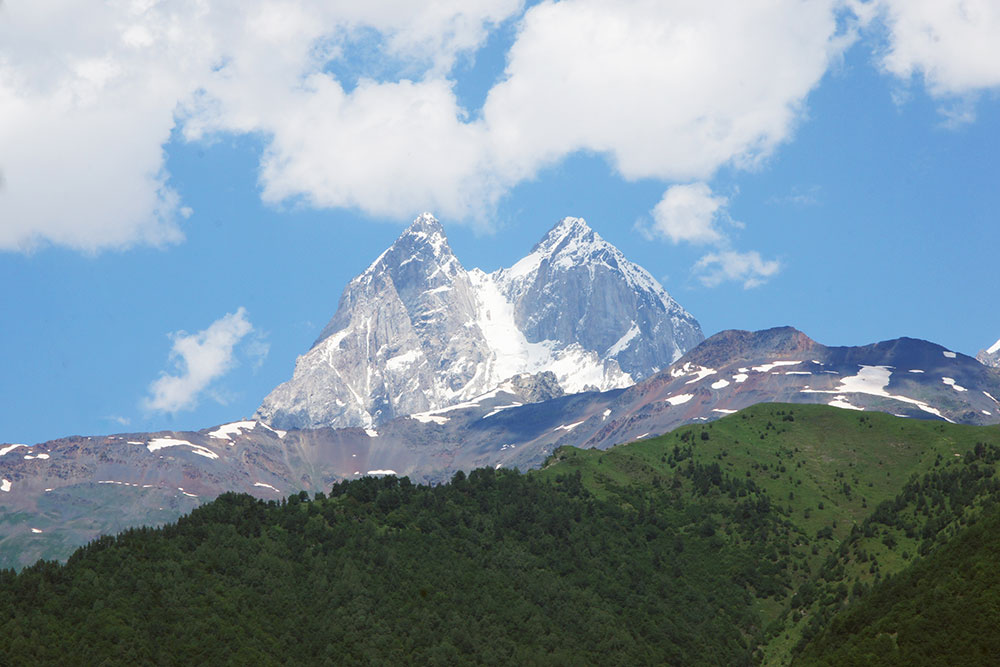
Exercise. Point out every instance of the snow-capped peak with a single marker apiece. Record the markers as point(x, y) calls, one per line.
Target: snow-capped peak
point(993, 349)
point(425, 228)
point(424, 232)
point(567, 231)
point(417, 332)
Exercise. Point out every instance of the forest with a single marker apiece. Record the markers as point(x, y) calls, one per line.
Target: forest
point(692, 548)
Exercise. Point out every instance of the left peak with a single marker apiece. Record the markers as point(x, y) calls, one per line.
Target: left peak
point(427, 223)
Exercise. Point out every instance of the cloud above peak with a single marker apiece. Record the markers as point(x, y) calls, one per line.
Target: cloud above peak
point(91, 93)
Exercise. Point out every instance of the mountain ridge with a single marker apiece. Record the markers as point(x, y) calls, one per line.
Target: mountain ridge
point(73, 488)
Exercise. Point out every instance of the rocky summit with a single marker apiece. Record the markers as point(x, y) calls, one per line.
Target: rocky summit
point(417, 332)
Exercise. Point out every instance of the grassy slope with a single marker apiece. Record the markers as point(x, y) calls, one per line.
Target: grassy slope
point(825, 469)
point(943, 610)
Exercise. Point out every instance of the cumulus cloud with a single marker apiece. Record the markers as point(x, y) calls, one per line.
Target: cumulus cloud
point(666, 90)
point(747, 267)
point(90, 93)
point(687, 213)
point(200, 359)
point(953, 44)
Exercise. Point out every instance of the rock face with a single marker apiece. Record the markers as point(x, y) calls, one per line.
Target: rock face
point(417, 332)
point(991, 356)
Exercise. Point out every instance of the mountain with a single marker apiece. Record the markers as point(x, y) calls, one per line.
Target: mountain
point(990, 356)
point(735, 369)
point(417, 332)
point(73, 489)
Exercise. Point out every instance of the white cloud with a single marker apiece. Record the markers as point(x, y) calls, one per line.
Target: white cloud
point(383, 148)
point(91, 92)
point(667, 90)
point(687, 213)
point(83, 117)
point(746, 267)
point(200, 358)
point(953, 44)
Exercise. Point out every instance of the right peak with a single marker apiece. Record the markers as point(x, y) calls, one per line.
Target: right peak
point(565, 232)
point(570, 226)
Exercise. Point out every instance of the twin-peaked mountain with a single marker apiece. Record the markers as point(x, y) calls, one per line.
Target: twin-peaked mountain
point(417, 332)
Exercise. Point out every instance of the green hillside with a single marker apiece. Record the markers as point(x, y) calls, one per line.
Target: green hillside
point(859, 495)
point(943, 610)
point(732, 542)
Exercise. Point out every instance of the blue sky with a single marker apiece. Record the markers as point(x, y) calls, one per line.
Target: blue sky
point(184, 194)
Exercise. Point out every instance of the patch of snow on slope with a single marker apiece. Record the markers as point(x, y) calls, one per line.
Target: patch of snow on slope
point(623, 342)
point(501, 408)
point(29, 457)
point(841, 402)
point(266, 486)
point(701, 374)
point(227, 431)
point(950, 355)
point(9, 448)
point(135, 442)
point(401, 361)
point(427, 418)
point(277, 431)
point(569, 427)
point(724, 411)
point(991, 397)
point(873, 380)
point(5, 485)
point(36, 530)
point(740, 377)
point(951, 383)
point(767, 368)
point(372, 433)
point(679, 399)
point(160, 443)
point(869, 380)
point(380, 472)
point(987, 412)
point(604, 416)
point(720, 384)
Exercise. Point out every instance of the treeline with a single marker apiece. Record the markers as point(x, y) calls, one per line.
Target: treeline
point(493, 568)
